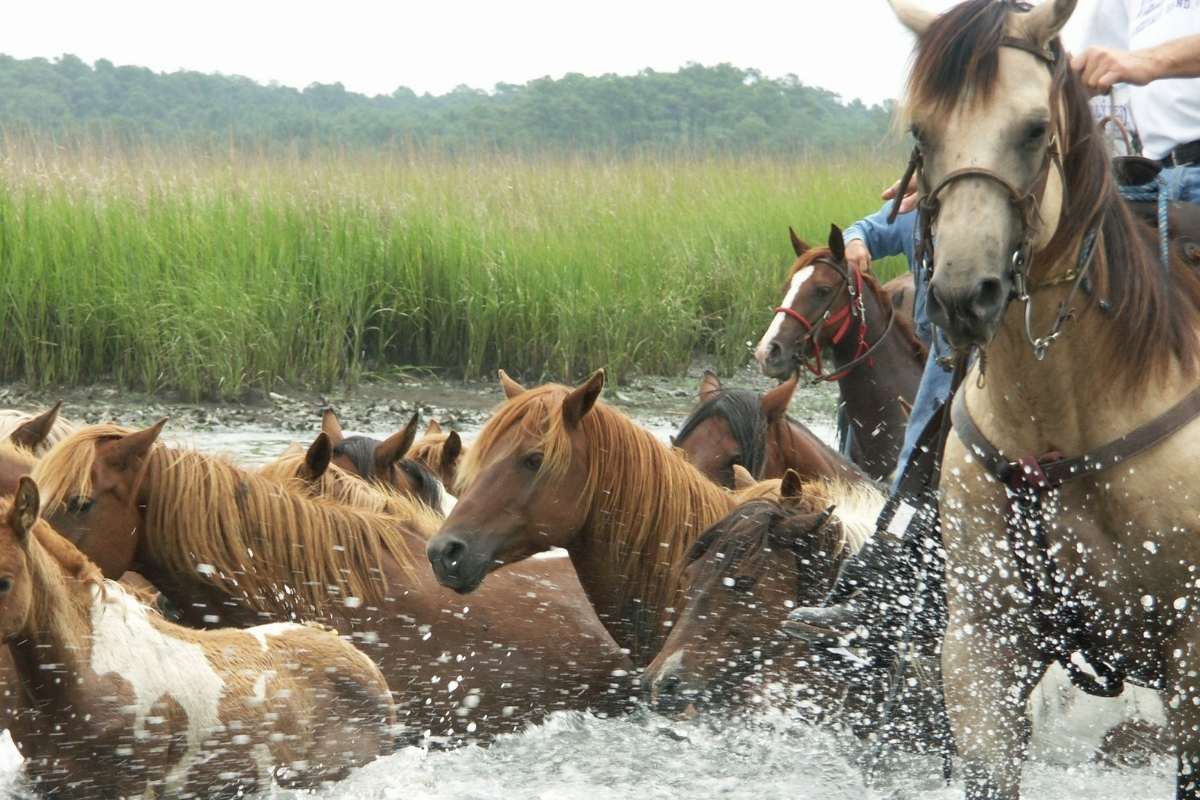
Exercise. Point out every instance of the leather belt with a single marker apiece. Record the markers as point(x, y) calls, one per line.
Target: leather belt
point(1184, 155)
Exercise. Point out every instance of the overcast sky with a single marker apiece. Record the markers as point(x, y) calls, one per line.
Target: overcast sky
point(852, 47)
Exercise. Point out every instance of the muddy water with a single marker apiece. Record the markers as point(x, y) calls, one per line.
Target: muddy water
point(572, 756)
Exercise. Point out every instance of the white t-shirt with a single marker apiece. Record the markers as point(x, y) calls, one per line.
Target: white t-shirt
point(1165, 113)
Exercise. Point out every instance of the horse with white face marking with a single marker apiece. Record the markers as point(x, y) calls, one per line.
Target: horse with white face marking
point(152, 708)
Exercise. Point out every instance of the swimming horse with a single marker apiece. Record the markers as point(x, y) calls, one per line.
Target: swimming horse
point(1069, 511)
point(122, 703)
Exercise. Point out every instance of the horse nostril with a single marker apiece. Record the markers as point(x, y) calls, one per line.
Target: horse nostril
point(452, 552)
point(988, 298)
point(774, 351)
point(936, 308)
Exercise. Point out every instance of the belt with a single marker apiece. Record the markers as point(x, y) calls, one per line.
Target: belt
point(1183, 155)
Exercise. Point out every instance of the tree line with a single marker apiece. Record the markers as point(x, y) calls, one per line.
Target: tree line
point(702, 109)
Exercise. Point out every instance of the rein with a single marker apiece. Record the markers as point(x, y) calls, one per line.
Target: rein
point(853, 312)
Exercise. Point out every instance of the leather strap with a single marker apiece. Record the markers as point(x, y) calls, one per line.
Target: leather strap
point(1050, 473)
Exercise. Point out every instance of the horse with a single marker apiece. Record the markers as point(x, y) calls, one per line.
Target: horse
point(234, 548)
point(1097, 554)
point(554, 467)
point(386, 461)
point(737, 427)
point(156, 709)
point(902, 292)
point(16, 462)
point(877, 357)
point(441, 451)
point(743, 575)
point(34, 432)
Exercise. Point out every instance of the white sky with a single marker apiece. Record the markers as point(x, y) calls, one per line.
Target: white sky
point(852, 47)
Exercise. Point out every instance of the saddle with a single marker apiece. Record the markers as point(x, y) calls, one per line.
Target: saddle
point(1135, 172)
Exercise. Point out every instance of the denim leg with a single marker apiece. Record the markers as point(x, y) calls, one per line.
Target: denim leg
point(1183, 183)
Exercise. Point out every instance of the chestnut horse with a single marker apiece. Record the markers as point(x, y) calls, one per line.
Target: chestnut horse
point(736, 427)
point(441, 451)
point(124, 703)
point(231, 547)
point(386, 461)
point(15, 462)
point(554, 467)
point(877, 365)
point(34, 432)
point(1103, 341)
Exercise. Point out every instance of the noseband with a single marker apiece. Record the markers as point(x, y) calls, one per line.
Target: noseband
point(854, 311)
point(1025, 203)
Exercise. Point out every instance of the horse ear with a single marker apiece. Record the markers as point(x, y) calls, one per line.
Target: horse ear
point(791, 484)
point(396, 446)
point(332, 428)
point(1045, 21)
point(742, 479)
point(710, 386)
point(33, 432)
point(317, 459)
point(775, 402)
point(579, 402)
point(511, 387)
point(798, 245)
point(913, 16)
point(452, 449)
point(128, 451)
point(837, 244)
point(26, 505)
point(434, 427)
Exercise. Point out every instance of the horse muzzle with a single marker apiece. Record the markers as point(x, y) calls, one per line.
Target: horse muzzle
point(776, 359)
point(456, 564)
point(968, 310)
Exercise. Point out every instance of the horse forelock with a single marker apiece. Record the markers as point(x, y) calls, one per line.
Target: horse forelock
point(743, 411)
point(66, 470)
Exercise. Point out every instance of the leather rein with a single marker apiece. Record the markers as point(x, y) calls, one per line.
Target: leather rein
point(853, 312)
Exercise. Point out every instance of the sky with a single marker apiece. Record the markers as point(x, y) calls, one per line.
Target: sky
point(855, 48)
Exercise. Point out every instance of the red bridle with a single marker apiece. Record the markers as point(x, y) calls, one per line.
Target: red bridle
point(853, 311)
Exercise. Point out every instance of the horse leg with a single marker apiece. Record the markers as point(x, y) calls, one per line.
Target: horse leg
point(988, 677)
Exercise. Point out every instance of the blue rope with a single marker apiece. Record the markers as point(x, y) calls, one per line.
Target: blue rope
point(1155, 192)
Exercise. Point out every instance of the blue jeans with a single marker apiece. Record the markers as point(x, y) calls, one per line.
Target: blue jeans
point(1183, 183)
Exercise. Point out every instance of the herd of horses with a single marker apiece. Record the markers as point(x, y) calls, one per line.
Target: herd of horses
point(178, 625)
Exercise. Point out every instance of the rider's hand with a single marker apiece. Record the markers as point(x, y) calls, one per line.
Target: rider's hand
point(909, 201)
point(1100, 67)
point(857, 255)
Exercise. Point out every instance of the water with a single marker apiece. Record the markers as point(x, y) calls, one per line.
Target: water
point(760, 756)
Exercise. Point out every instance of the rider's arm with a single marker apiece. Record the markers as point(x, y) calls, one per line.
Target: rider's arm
point(1101, 67)
point(880, 238)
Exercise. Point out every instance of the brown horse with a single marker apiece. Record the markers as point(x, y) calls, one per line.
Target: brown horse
point(902, 293)
point(230, 547)
point(877, 366)
point(34, 432)
point(1102, 342)
point(743, 576)
point(441, 451)
point(386, 461)
point(15, 462)
point(556, 468)
point(736, 427)
point(153, 708)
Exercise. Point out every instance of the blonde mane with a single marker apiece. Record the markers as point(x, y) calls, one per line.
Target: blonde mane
point(16, 455)
point(648, 503)
point(347, 489)
point(246, 534)
point(856, 507)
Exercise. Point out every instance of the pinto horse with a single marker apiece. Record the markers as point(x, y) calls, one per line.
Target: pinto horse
point(877, 357)
point(159, 710)
point(231, 547)
point(736, 427)
point(1099, 352)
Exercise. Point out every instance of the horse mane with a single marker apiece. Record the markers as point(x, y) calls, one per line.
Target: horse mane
point(742, 409)
point(11, 419)
point(15, 454)
point(646, 500)
point(348, 489)
point(903, 325)
point(1154, 316)
point(255, 536)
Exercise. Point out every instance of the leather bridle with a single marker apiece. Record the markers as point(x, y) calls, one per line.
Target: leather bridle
point(853, 312)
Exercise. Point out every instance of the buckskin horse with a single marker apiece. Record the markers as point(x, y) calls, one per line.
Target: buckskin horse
point(738, 427)
point(877, 357)
point(554, 467)
point(1068, 486)
point(233, 548)
point(156, 709)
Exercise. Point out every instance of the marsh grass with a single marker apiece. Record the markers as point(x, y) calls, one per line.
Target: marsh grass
point(212, 273)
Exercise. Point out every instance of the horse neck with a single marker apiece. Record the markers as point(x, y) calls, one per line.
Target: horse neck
point(55, 643)
point(790, 445)
point(634, 603)
point(871, 392)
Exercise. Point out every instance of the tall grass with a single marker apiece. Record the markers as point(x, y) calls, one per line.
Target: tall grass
point(213, 274)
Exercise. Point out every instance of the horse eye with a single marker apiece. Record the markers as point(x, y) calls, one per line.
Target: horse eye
point(823, 291)
point(744, 583)
point(6, 585)
point(533, 461)
point(917, 133)
point(79, 505)
point(1036, 132)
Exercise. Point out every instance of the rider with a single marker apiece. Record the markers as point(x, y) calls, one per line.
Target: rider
point(1165, 105)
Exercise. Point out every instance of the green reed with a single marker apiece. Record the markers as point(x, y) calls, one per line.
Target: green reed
point(210, 274)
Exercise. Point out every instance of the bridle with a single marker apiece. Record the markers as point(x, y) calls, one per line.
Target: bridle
point(1027, 205)
point(853, 312)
